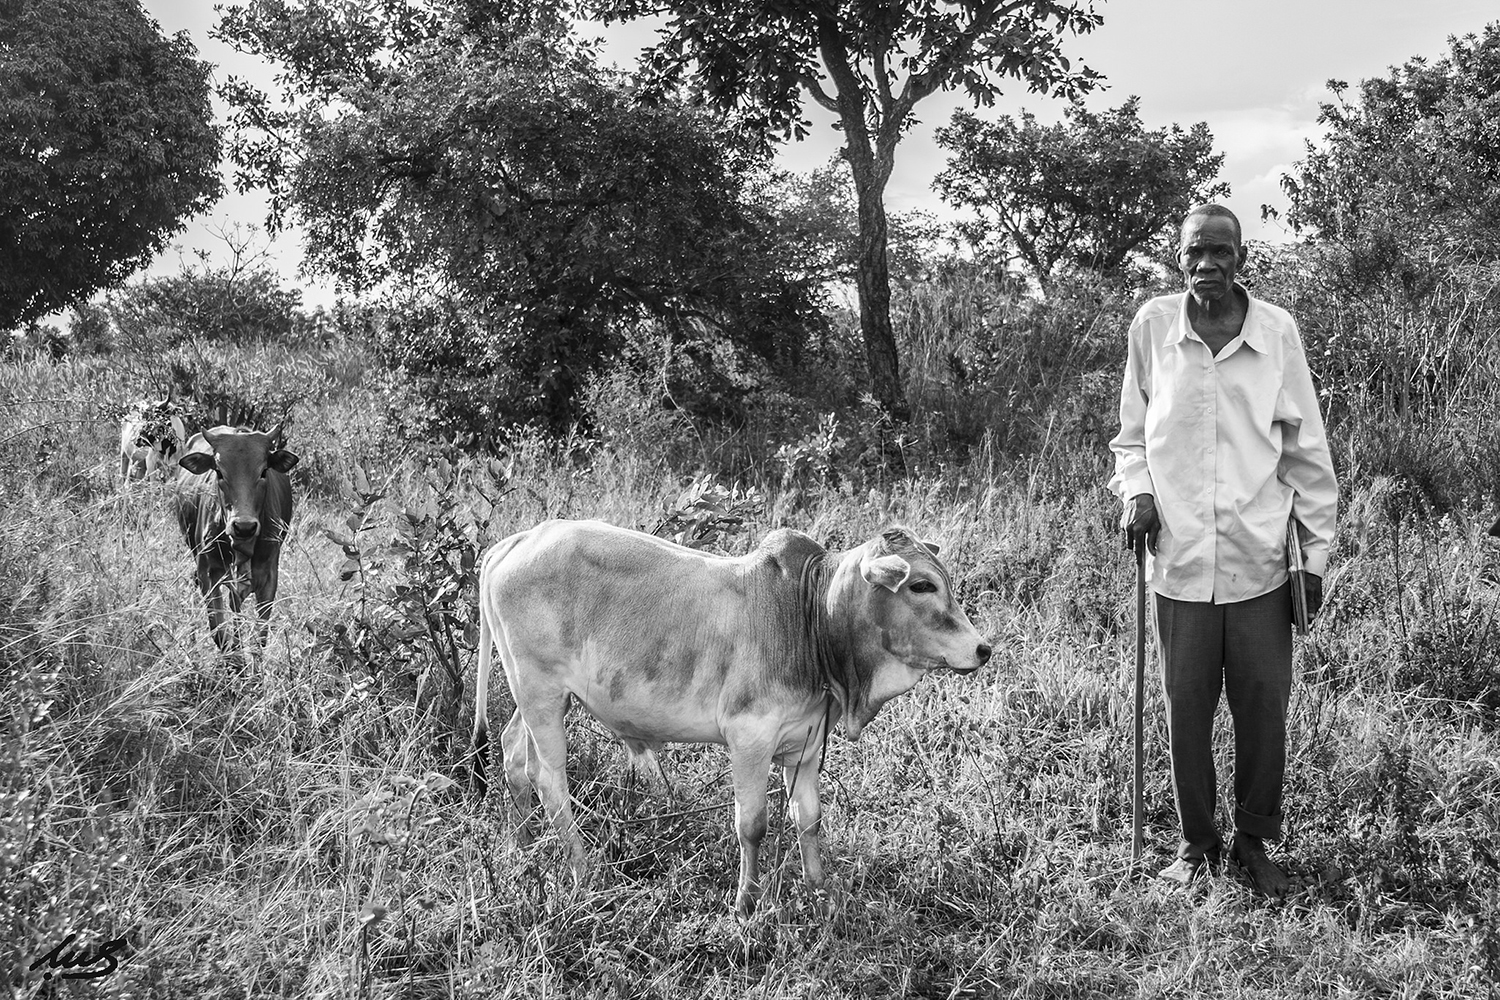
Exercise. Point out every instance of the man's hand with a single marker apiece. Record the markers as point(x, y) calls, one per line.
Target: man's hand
point(1312, 586)
point(1140, 522)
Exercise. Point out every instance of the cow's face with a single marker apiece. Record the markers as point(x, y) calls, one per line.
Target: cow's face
point(911, 601)
point(240, 460)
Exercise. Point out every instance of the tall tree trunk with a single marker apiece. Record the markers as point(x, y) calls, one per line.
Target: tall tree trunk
point(873, 280)
point(870, 160)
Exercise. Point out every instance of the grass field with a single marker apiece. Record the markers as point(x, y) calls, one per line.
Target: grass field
point(300, 826)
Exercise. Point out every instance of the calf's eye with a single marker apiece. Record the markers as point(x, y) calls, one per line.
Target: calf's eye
point(924, 587)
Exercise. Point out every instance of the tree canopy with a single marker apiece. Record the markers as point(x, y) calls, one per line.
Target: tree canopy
point(869, 64)
point(1409, 166)
point(107, 144)
point(1088, 192)
point(487, 156)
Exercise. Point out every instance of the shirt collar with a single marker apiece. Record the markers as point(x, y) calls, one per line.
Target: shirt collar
point(1253, 332)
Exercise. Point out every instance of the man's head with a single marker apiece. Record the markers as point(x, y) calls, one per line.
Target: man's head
point(1210, 252)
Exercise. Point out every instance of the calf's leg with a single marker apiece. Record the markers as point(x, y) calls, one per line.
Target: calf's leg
point(222, 600)
point(800, 777)
point(749, 763)
point(544, 722)
point(518, 757)
point(265, 578)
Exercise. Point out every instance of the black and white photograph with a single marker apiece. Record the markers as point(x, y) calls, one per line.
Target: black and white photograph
point(830, 500)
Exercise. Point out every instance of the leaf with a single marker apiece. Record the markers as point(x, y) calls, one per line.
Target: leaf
point(371, 914)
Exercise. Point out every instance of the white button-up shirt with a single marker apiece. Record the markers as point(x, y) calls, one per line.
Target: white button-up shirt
point(1230, 447)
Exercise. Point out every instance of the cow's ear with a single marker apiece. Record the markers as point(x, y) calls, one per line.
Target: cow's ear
point(282, 460)
point(889, 572)
point(930, 546)
point(197, 462)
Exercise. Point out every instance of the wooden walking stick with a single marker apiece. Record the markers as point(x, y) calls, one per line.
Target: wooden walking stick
point(1139, 817)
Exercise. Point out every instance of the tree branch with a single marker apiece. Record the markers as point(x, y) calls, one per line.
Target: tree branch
point(879, 52)
point(920, 85)
point(815, 90)
point(851, 103)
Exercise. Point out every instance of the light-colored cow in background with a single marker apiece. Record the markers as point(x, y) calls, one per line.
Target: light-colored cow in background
point(762, 653)
point(152, 435)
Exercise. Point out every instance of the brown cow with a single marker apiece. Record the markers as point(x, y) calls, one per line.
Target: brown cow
point(761, 653)
point(233, 504)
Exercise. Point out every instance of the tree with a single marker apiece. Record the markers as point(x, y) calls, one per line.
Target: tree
point(486, 158)
point(107, 144)
point(1089, 192)
point(241, 301)
point(1409, 170)
point(870, 64)
point(816, 213)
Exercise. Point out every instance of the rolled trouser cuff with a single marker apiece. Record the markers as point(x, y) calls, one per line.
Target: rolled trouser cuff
point(1264, 827)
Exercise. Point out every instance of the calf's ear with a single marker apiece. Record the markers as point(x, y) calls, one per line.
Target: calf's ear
point(197, 462)
point(282, 460)
point(889, 572)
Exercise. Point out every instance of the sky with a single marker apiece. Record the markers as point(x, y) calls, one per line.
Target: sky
point(1255, 72)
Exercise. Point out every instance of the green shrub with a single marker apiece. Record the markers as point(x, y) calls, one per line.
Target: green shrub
point(988, 361)
point(217, 304)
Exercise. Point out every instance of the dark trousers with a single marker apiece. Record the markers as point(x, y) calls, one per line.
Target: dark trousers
point(1244, 650)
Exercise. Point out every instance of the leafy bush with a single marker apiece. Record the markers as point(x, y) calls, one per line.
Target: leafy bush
point(89, 329)
point(990, 362)
point(1409, 379)
point(214, 304)
point(707, 514)
point(415, 625)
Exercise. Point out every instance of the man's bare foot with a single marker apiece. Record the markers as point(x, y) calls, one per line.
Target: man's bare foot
point(1250, 854)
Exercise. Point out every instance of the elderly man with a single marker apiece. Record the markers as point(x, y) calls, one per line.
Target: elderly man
point(1220, 445)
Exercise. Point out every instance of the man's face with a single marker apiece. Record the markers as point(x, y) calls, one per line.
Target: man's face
point(1210, 256)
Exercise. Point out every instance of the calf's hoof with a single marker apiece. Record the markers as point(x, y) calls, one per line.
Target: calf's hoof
point(744, 904)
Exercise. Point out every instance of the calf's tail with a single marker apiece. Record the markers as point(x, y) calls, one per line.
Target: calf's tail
point(488, 623)
point(481, 742)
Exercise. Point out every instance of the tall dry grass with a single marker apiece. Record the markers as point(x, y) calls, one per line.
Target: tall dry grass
point(300, 826)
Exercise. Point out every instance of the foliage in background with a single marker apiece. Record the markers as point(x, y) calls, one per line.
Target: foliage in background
point(994, 366)
point(1406, 178)
point(817, 212)
point(1093, 192)
point(517, 193)
point(1411, 383)
point(869, 65)
point(241, 301)
point(107, 144)
point(213, 304)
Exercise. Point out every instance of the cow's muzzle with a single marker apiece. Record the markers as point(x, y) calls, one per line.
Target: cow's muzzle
point(982, 654)
point(244, 528)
